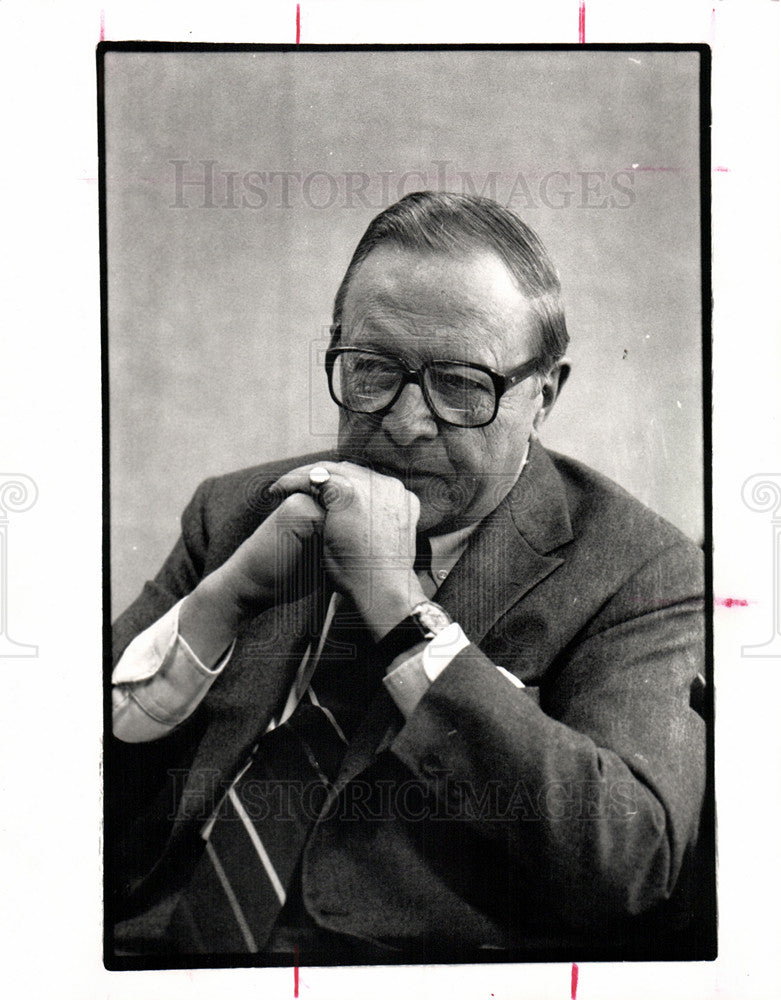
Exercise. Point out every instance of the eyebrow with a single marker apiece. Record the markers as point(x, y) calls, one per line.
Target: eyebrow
point(413, 362)
point(369, 343)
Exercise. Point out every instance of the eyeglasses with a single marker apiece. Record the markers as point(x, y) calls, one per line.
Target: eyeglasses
point(465, 395)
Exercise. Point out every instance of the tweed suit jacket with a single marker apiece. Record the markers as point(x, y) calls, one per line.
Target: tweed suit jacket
point(566, 810)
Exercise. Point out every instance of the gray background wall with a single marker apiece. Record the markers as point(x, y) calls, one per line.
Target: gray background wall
point(219, 298)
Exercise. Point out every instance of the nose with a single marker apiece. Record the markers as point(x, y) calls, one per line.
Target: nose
point(410, 418)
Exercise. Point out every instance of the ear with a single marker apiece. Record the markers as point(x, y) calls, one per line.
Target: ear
point(551, 387)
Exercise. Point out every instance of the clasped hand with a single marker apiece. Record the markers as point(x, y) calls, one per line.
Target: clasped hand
point(361, 524)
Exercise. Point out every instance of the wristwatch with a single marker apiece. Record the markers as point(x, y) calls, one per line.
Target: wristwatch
point(426, 620)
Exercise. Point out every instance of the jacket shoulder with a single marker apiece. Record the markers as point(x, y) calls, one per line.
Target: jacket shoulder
point(229, 507)
point(599, 507)
point(233, 490)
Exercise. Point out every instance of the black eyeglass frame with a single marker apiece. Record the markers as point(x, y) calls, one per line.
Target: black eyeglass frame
point(501, 383)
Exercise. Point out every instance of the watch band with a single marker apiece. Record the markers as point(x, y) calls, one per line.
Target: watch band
point(423, 622)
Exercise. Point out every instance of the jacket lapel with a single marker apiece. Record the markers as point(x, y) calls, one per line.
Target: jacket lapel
point(509, 554)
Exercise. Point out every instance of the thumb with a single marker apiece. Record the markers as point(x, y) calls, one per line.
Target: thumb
point(300, 516)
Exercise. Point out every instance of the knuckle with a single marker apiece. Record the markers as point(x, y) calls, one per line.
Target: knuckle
point(296, 505)
point(337, 495)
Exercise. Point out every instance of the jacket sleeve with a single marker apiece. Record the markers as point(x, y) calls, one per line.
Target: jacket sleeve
point(598, 787)
point(179, 575)
point(144, 780)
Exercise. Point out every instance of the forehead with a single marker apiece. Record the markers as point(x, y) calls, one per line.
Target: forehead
point(430, 303)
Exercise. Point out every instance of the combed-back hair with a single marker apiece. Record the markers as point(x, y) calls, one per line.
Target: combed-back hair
point(442, 222)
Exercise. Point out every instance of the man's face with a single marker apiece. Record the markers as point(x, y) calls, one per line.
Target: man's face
point(424, 306)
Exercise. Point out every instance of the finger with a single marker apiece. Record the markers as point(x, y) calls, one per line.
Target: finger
point(298, 547)
point(335, 494)
point(297, 480)
point(301, 511)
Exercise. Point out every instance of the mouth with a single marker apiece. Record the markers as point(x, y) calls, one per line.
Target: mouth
point(413, 469)
point(442, 493)
point(407, 474)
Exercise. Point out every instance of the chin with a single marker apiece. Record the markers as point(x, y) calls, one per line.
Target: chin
point(438, 521)
point(443, 503)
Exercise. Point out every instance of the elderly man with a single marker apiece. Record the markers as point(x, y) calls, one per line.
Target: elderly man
point(311, 752)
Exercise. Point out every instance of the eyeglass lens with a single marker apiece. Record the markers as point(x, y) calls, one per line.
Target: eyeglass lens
point(458, 393)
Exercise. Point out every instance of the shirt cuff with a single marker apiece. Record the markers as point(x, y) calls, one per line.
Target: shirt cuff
point(413, 673)
point(159, 681)
point(442, 649)
point(407, 682)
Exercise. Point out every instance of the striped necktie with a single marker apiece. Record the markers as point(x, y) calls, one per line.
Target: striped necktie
point(257, 835)
point(255, 839)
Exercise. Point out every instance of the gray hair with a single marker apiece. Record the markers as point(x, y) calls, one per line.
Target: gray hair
point(455, 223)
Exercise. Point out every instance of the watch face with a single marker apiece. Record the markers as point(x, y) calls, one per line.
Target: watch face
point(431, 617)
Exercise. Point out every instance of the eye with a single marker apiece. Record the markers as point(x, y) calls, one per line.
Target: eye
point(372, 372)
point(461, 394)
point(365, 382)
point(460, 381)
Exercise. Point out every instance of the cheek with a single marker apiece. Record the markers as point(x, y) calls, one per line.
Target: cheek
point(514, 425)
point(468, 451)
point(493, 451)
point(479, 460)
